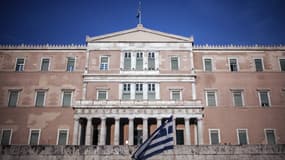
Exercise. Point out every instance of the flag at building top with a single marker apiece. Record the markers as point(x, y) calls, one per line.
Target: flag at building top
point(160, 140)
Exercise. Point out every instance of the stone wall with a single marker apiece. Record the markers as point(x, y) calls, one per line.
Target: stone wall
point(205, 152)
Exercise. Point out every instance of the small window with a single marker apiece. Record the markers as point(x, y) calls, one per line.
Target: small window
point(270, 136)
point(238, 98)
point(13, 98)
point(139, 61)
point(258, 65)
point(6, 137)
point(127, 61)
point(151, 91)
point(151, 61)
point(176, 95)
point(174, 63)
point(104, 63)
point(214, 136)
point(45, 64)
point(211, 98)
point(208, 65)
point(233, 65)
point(180, 137)
point(282, 64)
point(102, 95)
point(20, 63)
point(34, 137)
point(66, 98)
point(126, 91)
point(40, 98)
point(139, 91)
point(70, 64)
point(242, 136)
point(62, 137)
point(264, 98)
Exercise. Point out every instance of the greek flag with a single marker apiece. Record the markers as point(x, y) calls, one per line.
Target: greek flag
point(160, 140)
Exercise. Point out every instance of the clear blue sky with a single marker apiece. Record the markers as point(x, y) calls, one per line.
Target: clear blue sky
point(209, 21)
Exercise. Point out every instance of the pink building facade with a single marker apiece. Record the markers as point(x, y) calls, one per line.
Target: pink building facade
point(119, 87)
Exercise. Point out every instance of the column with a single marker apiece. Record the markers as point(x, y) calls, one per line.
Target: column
point(194, 97)
point(133, 91)
point(133, 60)
point(174, 130)
point(157, 91)
point(117, 131)
point(84, 90)
point(145, 129)
point(145, 90)
point(103, 131)
point(131, 131)
point(145, 60)
point(88, 131)
point(156, 55)
point(158, 122)
point(200, 130)
point(75, 131)
point(187, 131)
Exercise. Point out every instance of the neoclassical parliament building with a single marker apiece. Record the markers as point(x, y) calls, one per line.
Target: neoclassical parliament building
point(117, 88)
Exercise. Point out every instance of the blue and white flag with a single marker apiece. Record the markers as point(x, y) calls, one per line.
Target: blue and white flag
point(160, 140)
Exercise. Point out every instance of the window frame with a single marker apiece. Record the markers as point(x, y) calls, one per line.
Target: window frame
point(74, 65)
point(18, 96)
point(1, 135)
point(103, 68)
point(279, 64)
point(262, 64)
point(151, 89)
point(274, 132)
point(102, 90)
point(268, 96)
point(139, 90)
point(183, 137)
point(178, 63)
point(141, 58)
point(36, 95)
point(204, 64)
point(238, 138)
point(216, 98)
point(175, 90)
point(42, 59)
point(242, 97)
point(128, 90)
point(237, 64)
point(67, 135)
point(210, 137)
point(16, 64)
point(151, 56)
point(30, 134)
point(62, 96)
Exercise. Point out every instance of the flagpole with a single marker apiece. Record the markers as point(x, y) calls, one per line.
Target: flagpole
point(140, 13)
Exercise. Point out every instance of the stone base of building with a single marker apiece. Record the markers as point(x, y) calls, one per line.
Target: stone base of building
point(203, 152)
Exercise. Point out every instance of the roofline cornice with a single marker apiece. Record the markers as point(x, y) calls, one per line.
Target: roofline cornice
point(206, 47)
point(44, 46)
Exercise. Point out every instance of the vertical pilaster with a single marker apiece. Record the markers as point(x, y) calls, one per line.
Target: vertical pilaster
point(145, 129)
point(84, 90)
point(187, 131)
point(200, 130)
point(145, 90)
point(75, 131)
point(156, 55)
point(133, 60)
point(131, 131)
point(145, 60)
point(194, 97)
point(103, 131)
point(117, 131)
point(133, 90)
point(157, 91)
point(88, 131)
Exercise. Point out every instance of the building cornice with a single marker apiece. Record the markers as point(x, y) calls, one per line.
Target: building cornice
point(255, 47)
point(44, 47)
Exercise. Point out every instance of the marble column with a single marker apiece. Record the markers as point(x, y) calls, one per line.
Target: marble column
point(200, 130)
point(75, 131)
point(131, 131)
point(158, 122)
point(145, 129)
point(117, 131)
point(187, 131)
point(88, 131)
point(103, 131)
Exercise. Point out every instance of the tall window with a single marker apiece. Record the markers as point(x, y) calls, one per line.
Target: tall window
point(6, 137)
point(238, 98)
point(208, 65)
point(62, 137)
point(211, 98)
point(151, 91)
point(242, 136)
point(151, 61)
point(66, 98)
point(40, 98)
point(127, 61)
point(104, 63)
point(233, 64)
point(174, 63)
point(34, 138)
point(139, 61)
point(176, 95)
point(101, 95)
point(264, 98)
point(13, 98)
point(20, 63)
point(70, 66)
point(270, 136)
point(179, 136)
point(139, 91)
point(214, 136)
point(45, 64)
point(126, 91)
point(258, 65)
point(282, 64)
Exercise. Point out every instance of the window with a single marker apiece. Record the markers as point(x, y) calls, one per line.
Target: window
point(34, 138)
point(70, 64)
point(242, 136)
point(282, 64)
point(101, 95)
point(264, 98)
point(45, 64)
point(20, 63)
point(208, 65)
point(237, 98)
point(127, 61)
point(104, 63)
point(258, 65)
point(233, 64)
point(214, 135)
point(6, 137)
point(126, 91)
point(62, 137)
point(139, 91)
point(174, 63)
point(270, 136)
point(66, 98)
point(40, 98)
point(179, 136)
point(176, 95)
point(13, 98)
point(211, 98)
point(139, 61)
point(151, 91)
point(151, 61)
